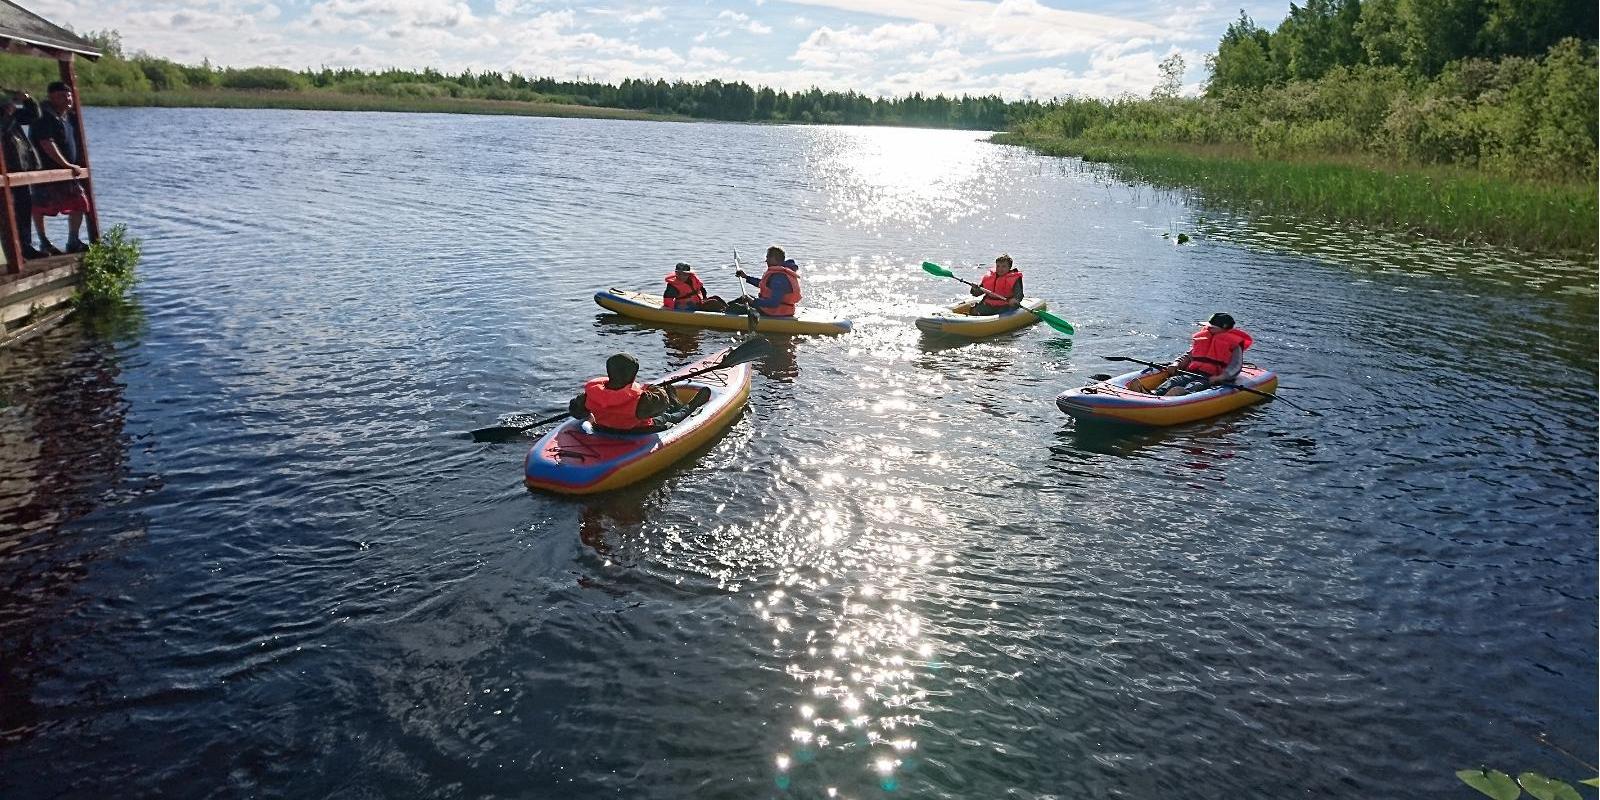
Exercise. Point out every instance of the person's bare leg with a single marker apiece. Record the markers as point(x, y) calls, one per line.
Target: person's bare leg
point(74, 226)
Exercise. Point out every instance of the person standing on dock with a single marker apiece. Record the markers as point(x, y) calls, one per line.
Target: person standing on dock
point(778, 289)
point(55, 136)
point(1216, 351)
point(1001, 289)
point(20, 156)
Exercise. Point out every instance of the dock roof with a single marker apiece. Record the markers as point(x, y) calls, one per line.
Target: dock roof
point(19, 25)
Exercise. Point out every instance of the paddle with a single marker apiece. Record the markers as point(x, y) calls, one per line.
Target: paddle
point(1049, 319)
point(750, 312)
point(1268, 395)
point(753, 349)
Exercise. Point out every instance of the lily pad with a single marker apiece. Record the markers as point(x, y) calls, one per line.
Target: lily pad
point(1547, 788)
point(1491, 782)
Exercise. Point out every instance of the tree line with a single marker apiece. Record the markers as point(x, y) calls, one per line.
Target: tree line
point(711, 99)
point(1417, 37)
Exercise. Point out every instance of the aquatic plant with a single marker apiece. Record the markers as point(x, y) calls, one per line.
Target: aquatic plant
point(108, 270)
point(1446, 203)
point(1500, 786)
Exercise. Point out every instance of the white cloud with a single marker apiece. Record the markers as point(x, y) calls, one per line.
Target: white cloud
point(708, 55)
point(744, 21)
point(1013, 47)
point(651, 14)
point(855, 46)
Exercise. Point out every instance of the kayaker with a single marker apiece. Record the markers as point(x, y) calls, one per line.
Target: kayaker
point(619, 404)
point(778, 289)
point(685, 292)
point(1005, 280)
point(1216, 351)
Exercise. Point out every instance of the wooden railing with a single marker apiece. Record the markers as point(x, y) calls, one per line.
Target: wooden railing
point(41, 176)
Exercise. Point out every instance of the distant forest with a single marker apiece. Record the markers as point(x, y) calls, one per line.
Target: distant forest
point(713, 99)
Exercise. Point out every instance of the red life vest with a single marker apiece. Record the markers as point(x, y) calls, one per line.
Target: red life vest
point(691, 292)
point(786, 303)
point(1209, 353)
point(1000, 285)
point(614, 408)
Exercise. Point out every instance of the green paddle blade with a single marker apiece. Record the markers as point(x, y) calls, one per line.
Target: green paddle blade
point(934, 269)
point(1056, 322)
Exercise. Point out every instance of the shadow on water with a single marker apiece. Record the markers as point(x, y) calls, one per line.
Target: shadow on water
point(781, 365)
point(63, 457)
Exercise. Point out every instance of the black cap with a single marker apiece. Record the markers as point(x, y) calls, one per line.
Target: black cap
point(1221, 320)
point(622, 368)
point(683, 266)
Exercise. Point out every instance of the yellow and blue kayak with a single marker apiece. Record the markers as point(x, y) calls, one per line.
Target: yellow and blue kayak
point(574, 458)
point(960, 321)
point(1127, 399)
point(647, 308)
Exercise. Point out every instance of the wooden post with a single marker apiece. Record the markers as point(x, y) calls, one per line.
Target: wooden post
point(13, 243)
point(69, 76)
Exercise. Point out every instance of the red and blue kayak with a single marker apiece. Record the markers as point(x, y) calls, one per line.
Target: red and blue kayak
point(574, 458)
point(1127, 399)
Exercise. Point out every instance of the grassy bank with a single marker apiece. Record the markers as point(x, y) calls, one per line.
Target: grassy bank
point(334, 101)
point(1446, 203)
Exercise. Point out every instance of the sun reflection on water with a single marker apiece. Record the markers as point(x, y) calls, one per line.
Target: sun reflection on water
point(876, 176)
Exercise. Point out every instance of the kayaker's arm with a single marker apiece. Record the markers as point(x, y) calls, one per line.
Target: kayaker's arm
point(1235, 363)
point(578, 408)
point(654, 401)
point(1016, 294)
point(750, 279)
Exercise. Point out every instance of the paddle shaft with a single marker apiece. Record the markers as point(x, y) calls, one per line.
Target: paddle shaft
point(1154, 365)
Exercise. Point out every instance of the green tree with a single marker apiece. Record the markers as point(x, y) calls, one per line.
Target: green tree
point(1241, 60)
point(1172, 69)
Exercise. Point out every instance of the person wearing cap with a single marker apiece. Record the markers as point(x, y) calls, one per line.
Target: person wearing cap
point(55, 136)
point(778, 289)
point(1216, 351)
point(684, 290)
point(617, 403)
point(1000, 288)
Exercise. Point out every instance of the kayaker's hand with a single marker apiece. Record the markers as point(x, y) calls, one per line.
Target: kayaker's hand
point(740, 273)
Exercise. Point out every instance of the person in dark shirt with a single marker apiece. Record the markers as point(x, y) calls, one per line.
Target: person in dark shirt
point(55, 136)
point(20, 156)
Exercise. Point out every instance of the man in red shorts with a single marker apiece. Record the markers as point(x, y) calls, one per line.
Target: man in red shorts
point(55, 136)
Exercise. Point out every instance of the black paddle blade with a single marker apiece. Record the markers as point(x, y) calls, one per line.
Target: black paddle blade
point(498, 433)
point(757, 347)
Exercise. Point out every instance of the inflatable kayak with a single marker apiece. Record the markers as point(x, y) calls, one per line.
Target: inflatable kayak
point(574, 458)
point(959, 321)
point(647, 307)
point(1126, 399)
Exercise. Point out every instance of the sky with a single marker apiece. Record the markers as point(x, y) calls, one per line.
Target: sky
point(1017, 48)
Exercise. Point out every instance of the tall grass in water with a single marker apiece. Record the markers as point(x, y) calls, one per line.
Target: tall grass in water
point(1451, 204)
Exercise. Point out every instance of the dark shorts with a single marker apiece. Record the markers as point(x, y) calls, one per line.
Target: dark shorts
point(1189, 382)
point(64, 197)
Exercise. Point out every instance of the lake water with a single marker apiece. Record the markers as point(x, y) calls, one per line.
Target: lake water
point(245, 550)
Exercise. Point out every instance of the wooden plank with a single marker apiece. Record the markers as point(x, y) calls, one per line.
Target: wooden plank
point(30, 282)
point(42, 176)
point(46, 300)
